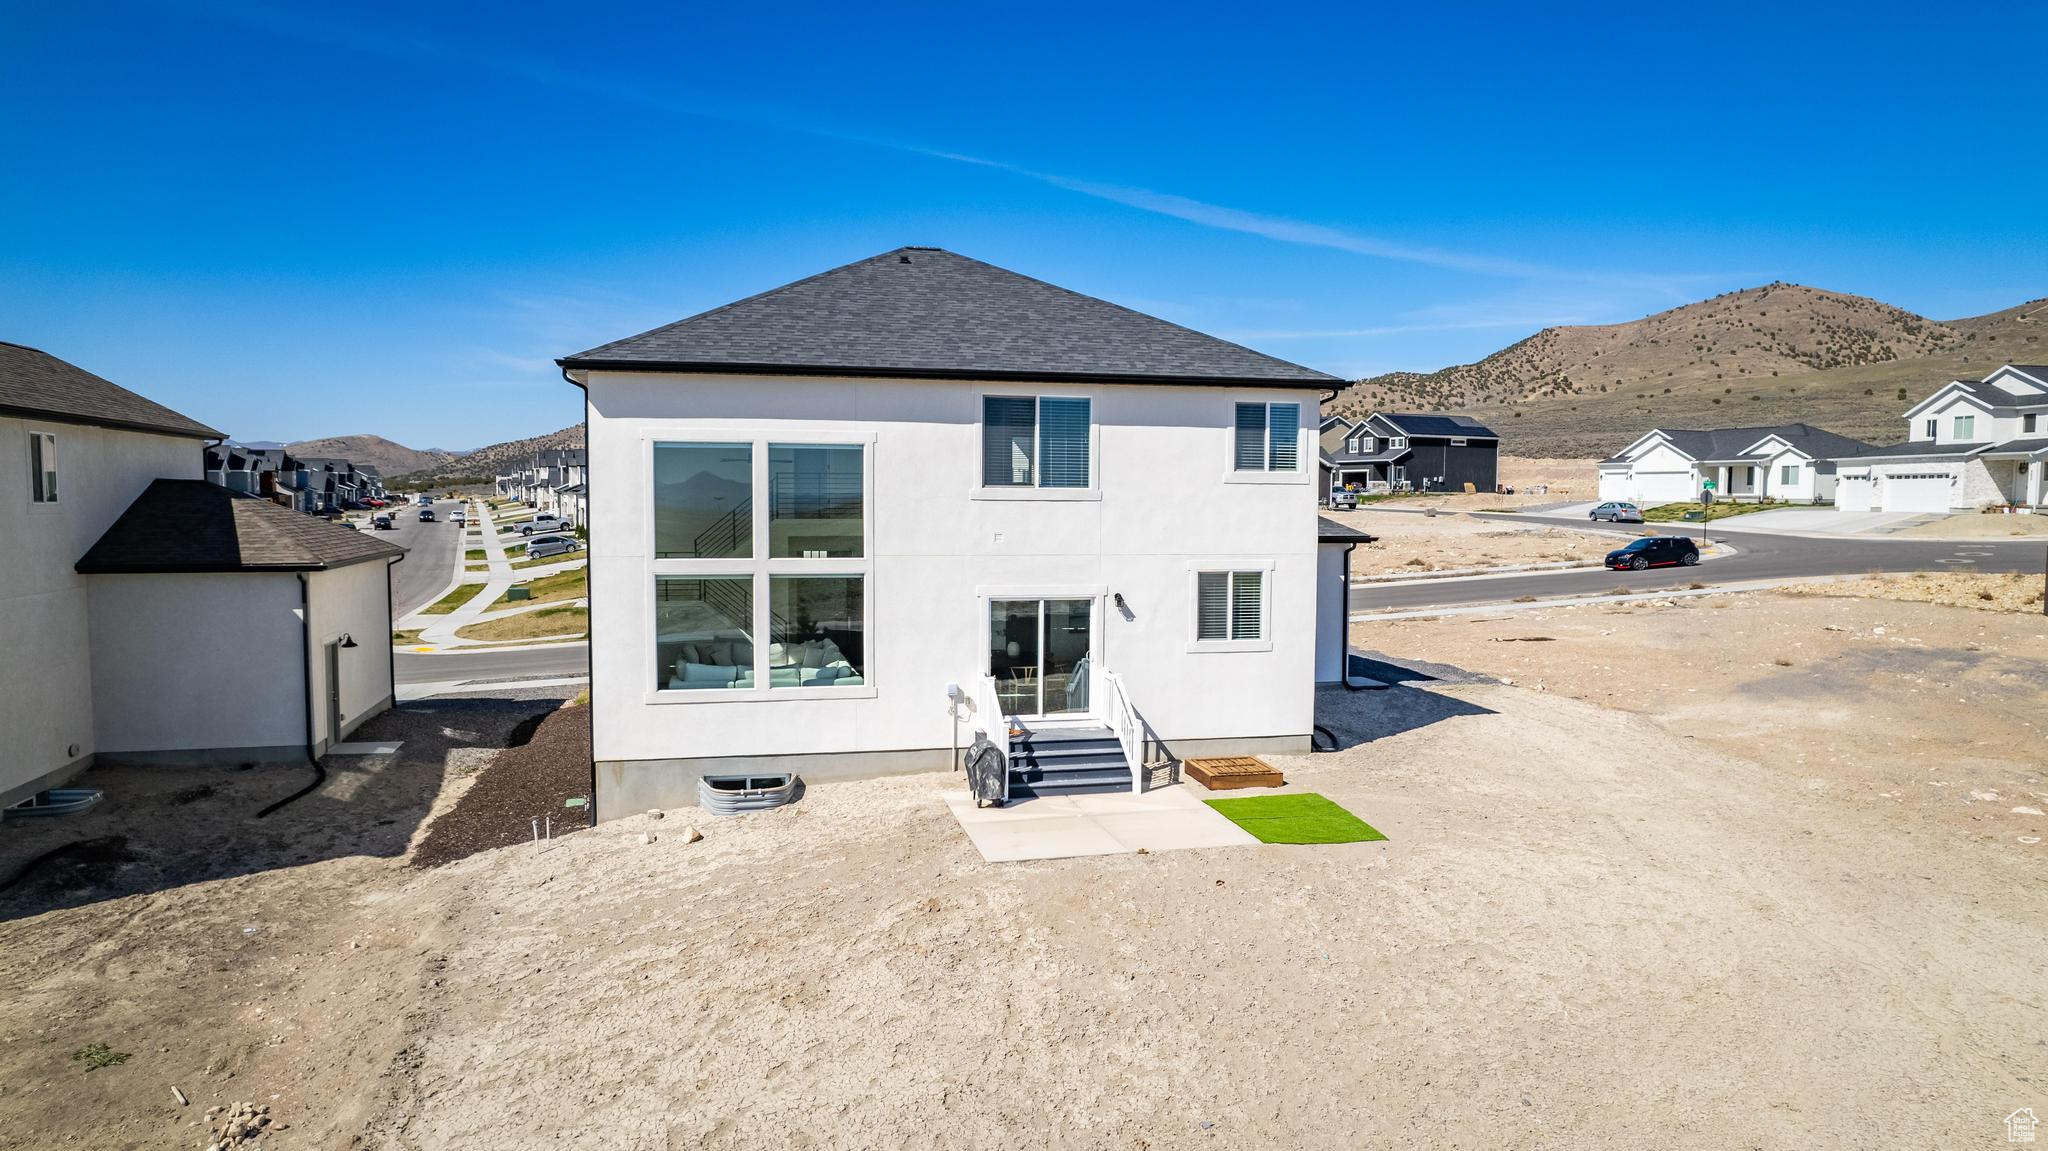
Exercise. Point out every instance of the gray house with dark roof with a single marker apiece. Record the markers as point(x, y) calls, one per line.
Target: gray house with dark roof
point(98, 656)
point(919, 501)
point(1403, 451)
point(1971, 444)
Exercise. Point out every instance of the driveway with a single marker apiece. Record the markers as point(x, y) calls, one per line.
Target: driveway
point(1825, 522)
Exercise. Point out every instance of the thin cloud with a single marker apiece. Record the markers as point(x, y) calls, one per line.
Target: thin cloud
point(390, 41)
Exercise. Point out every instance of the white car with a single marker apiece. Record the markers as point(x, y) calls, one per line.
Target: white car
point(459, 518)
point(545, 522)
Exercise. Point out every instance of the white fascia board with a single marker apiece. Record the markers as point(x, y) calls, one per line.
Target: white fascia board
point(1628, 453)
point(1954, 388)
point(2009, 370)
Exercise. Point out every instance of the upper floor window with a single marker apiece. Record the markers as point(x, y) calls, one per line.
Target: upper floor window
point(1035, 442)
point(1931, 426)
point(42, 465)
point(2029, 422)
point(1966, 427)
point(1268, 438)
point(1397, 442)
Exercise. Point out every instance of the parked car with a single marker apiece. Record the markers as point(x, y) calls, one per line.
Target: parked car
point(1344, 501)
point(458, 517)
point(426, 515)
point(348, 525)
point(1617, 512)
point(1653, 552)
point(382, 522)
point(545, 522)
point(552, 546)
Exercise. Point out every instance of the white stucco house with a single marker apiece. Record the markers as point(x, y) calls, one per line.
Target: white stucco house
point(842, 524)
point(146, 614)
point(1972, 444)
point(1792, 462)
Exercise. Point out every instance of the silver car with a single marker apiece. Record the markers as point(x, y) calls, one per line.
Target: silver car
point(552, 546)
point(1617, 512)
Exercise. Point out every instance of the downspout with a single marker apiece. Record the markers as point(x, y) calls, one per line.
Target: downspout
point(306, 671)
point(390, 618)
point(589, 603)
point(1344, 667)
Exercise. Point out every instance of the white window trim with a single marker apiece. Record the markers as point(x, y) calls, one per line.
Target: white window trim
point(1796, 475)
point(1195, 570)
point(36, 506)
point(759, 567)
point(1955, 428)
point(1302, 473)
point(979, 491)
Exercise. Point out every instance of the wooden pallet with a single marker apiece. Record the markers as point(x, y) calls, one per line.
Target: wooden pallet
point(1233, 772)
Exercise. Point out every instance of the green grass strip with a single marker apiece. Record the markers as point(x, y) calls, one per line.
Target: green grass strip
point(462, 594)
point(1304, 817)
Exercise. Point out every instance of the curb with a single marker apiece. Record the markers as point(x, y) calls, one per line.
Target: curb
point(1594, 600)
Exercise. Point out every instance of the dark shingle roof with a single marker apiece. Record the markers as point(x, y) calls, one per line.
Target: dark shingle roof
point(930, 313)
point(195, 526)
point(1329, 531)
point(36, 383)
point(1915, 449)
point(2028, 446)
point(1728, 443)
point(1428, 424)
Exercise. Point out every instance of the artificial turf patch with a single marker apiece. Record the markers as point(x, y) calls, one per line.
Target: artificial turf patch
point(1300, 818)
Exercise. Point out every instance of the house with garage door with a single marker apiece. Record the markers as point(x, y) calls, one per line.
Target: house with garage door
point(1409, 451)
point(851, 521)
point(1794, 462)
point(1972, 444)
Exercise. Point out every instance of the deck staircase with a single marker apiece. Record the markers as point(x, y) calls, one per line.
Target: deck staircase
point(1067, 761)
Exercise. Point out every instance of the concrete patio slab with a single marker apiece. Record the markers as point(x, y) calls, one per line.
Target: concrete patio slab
point(1068, 826)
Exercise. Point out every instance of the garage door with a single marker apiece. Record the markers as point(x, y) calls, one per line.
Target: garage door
point(1917, 492)
point(1664, 487)
point(1616, 486)
point(1855, 494)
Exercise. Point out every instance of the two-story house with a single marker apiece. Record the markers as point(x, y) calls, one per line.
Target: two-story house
point(844, 523)
point(1409, 451)
point(125, 570)
point(1971, 444)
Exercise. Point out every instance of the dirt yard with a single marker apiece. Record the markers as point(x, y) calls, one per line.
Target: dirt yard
point(1413, 543)
point(1652, 892)
point(1978, 527)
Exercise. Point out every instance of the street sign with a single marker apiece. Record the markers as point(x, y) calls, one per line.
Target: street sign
point(1710, 485)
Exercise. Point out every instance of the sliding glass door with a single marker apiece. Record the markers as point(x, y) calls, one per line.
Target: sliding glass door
point(1039, 654)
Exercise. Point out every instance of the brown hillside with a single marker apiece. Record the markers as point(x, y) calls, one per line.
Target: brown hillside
point(499, 458)
point(1775, 354)
point(386, 456)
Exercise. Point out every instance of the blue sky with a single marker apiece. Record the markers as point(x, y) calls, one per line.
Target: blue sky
point(254, 212)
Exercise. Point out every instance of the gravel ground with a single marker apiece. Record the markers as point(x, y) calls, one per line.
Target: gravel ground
point(1408, 543)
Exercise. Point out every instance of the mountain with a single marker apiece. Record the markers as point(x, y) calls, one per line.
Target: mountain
point(387, 457)
point(1775, 354)
point(496, 459)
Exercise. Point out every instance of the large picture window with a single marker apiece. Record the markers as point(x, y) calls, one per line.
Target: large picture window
point(1036, 442)
point(703, 501)
point(757, 538)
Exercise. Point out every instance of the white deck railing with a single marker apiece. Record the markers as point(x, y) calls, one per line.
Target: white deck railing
point(1129, 727)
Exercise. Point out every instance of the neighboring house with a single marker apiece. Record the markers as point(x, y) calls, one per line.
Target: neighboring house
point(369, 481)
point(1792, 462)
point(289, 615)
point(1387, 450)
point(842, 513)
point(150, 661)
point(332, 482)
point(1972, 444)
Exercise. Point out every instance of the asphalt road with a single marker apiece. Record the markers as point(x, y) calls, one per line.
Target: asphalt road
point(432, 553)
point(550, 662)
point(1759, 556)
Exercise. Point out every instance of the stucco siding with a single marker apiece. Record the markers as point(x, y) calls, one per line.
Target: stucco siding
point(45, 633)
point(1165, 502)
point(185, 662)
point(351, 601)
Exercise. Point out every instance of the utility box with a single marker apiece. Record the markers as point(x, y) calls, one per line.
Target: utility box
point(518, 592)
